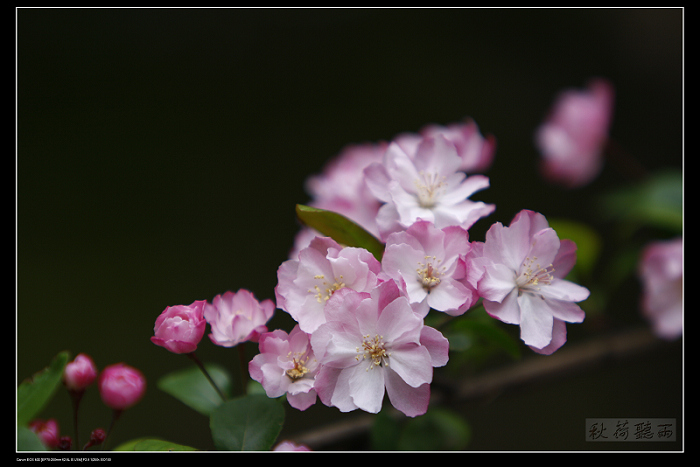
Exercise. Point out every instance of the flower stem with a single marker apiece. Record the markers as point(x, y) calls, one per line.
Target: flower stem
point(75, 397)
point(244, 373)
point(196, 360)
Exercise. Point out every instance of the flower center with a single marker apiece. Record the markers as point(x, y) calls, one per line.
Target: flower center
point(533, 276)
point(326, 290)
point(300, 368)
point(430, 187)
point(374, 350)
point(428, 275)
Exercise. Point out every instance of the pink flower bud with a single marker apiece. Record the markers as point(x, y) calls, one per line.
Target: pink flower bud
point(80, 373)
point(121, 386)
point(47, 431)
point(180, 328)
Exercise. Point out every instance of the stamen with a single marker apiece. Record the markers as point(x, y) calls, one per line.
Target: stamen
point(373, 350)
point(428, 275)
point(430, 186)
point(322, 295)
point(299, 369)
point(533, 276)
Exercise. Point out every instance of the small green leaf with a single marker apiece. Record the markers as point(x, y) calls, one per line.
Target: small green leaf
point(248, 423)
point(146, 444)
point(437, 430)
point(34, 393)
point(192, 388)
point(27, 440)
point(340, 228)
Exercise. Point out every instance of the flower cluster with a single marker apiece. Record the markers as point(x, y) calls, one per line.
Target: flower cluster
point(360, 332)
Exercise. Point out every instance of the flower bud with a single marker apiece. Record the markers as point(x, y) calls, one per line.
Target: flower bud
point(47, 431)
point(121, 386)
point(80, 373)
point(180, 328)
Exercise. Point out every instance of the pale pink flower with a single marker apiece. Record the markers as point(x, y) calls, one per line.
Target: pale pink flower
point(427, 186)
point(237, 317)
point(286, 365)
point(476, 151)
point(179, 328)
point(572, 139)
point(372, 344)
point(290, 446)
point(324, 267)
point(429, 264)
point(519, 271)
point(661, 273)
point(121, 386)
point(80, 373)
point(47, 431)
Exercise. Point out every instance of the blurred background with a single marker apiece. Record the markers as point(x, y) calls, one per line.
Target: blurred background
point(161, 152)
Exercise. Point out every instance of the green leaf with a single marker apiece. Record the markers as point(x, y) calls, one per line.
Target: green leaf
point(146, 444)
point(340, 228)
point(437, 430)
point(477, 326)
point(27, 440)
point(248, 423)
point(34, 393)
point(192, 388)
point(587, 240)
point(657, 202)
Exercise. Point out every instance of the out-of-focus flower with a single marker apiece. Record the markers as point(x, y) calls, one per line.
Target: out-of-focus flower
point(427, 186)
point(286, 365)
point(290, 446)
point(324, 267)
point(80, 373)
point(179, 328)
point(237, 317)
point(372, 344)
point(47, 431)
point(121, 386)
point(428, 263)
point(476, 151)
point(661, 273)
point(573, 136)
point(519, 272)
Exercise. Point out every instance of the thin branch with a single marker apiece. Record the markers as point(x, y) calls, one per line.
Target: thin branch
point(565, 361)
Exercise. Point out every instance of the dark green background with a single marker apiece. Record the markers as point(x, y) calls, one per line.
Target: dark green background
point(161, 152)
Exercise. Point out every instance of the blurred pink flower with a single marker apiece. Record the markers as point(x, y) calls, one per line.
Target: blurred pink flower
point(519, 272)
point(47, 431)
point(661, 273)
point(121, 386)
point(290, 446)
point(429, 264)
point(372, 344)
point(324, 267)
point(237, 317)
point(427, 186)
point(574, 134)
point(179, 328)
point(80, 373)
point(286, 365)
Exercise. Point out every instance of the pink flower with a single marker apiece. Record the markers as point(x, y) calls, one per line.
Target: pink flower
point(427, 186)
point(572, 138)
point(179, 328)
point(286, 365)
point(661, 273)
point(428, 263)
point(80, 373)
point(519, 272)
point(372, 343)
point(121, 386)
point(324, 267)
point(47, 431)
point(290, 446)
point(237, 317)
point(476, 151)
